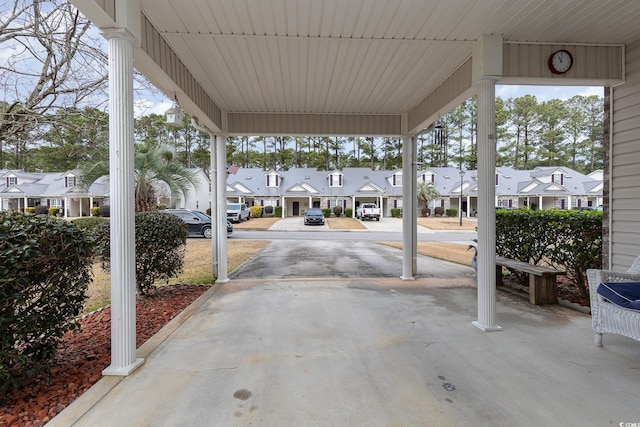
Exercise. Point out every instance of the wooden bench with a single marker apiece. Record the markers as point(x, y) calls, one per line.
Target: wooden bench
point(542, 280)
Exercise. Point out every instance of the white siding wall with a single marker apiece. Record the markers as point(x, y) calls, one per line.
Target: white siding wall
point(625, 165)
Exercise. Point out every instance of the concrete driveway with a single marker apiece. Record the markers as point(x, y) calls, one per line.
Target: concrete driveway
point(368, 351)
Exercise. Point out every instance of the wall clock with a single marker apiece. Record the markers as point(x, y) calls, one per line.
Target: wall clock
point(560, 61)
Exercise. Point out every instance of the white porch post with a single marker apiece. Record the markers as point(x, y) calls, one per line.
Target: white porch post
point(283, 204)
point(353, 206)
point(468, 206)
point(215, 209)
point(409, 225)
point(569, 201)
point(540, 202)
point(121, 173)
point(221, 219)
point(486, 211)
point(65, 210)
point(90, 205)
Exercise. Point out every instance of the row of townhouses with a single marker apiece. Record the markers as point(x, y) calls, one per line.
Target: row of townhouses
point(298, 189)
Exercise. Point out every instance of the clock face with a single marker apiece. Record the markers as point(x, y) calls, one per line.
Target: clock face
point(560, 61)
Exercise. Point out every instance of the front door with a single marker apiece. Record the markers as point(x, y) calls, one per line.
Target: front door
point(296, 208)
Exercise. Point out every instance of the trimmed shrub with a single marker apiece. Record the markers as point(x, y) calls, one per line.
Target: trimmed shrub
point(337, 210)
point(326, 212)
point(396, 212)
point(438, 211)
point(41, 210)
point(278, 211)
point(452, 212)
point(256, 211)
point(53, 211)
point(268, 210)
point(95, 211)
point(348, 212)
point(45, 270)
point(104, 211)
point(425, 211)
point(160, 244)
point(30, 210)
point(570, 240)
point(89, 225)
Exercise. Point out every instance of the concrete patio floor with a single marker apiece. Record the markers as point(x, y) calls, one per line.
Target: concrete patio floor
point(368, 352)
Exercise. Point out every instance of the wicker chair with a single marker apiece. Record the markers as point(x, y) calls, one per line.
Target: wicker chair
point(608, 318)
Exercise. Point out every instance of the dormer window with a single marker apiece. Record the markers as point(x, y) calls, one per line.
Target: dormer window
point(273, 180)
point(12, 180)
point(429, 177)
point(69, 181)
point(558, 177)
point(397, 179)
point(335, 179)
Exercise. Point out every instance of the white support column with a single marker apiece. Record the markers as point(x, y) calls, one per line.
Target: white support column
point(468, 206)
point(283, 202)
point(121, 185)
point(221, 219)
point(215, 209)
point(569, 201)
point(540, 202)
point(409, 225)
point(90, 205)
point(486, 211)
point(214, 195)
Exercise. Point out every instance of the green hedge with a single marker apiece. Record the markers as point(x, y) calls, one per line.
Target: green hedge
point(396, 212)
point(452, 212)
point(45, 270)
point(278, 211)
point(160, 245)
point(570, 240)
point(348, 212)
point(326, 212)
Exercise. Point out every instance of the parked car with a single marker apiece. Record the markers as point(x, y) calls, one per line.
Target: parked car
point(368, 211)
point(198, 223)
point(313, 216)
point(238, 212)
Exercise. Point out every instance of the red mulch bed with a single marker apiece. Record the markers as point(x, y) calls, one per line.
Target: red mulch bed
point(84, 353)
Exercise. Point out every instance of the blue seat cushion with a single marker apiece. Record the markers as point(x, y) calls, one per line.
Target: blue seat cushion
point(624, 294)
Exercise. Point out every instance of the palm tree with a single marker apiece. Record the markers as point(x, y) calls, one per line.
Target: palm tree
point(152, 165)
point(426, 193)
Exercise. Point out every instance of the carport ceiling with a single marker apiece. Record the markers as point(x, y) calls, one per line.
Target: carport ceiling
point(360, 56)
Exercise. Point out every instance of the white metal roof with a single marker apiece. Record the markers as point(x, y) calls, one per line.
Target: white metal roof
point(360, 56)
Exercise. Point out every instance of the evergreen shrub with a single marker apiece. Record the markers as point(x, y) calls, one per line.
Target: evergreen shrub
point(160, 245)
point(45, 270)
point(256, 211)
point(569, 240)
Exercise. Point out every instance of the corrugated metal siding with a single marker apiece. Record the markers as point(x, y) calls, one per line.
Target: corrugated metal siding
point(454, 86)
point(625, 165)
point(161, 53)
point(589, 62)
point(313, 124)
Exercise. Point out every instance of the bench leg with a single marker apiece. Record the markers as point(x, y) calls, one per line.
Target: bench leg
point(542, 289)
